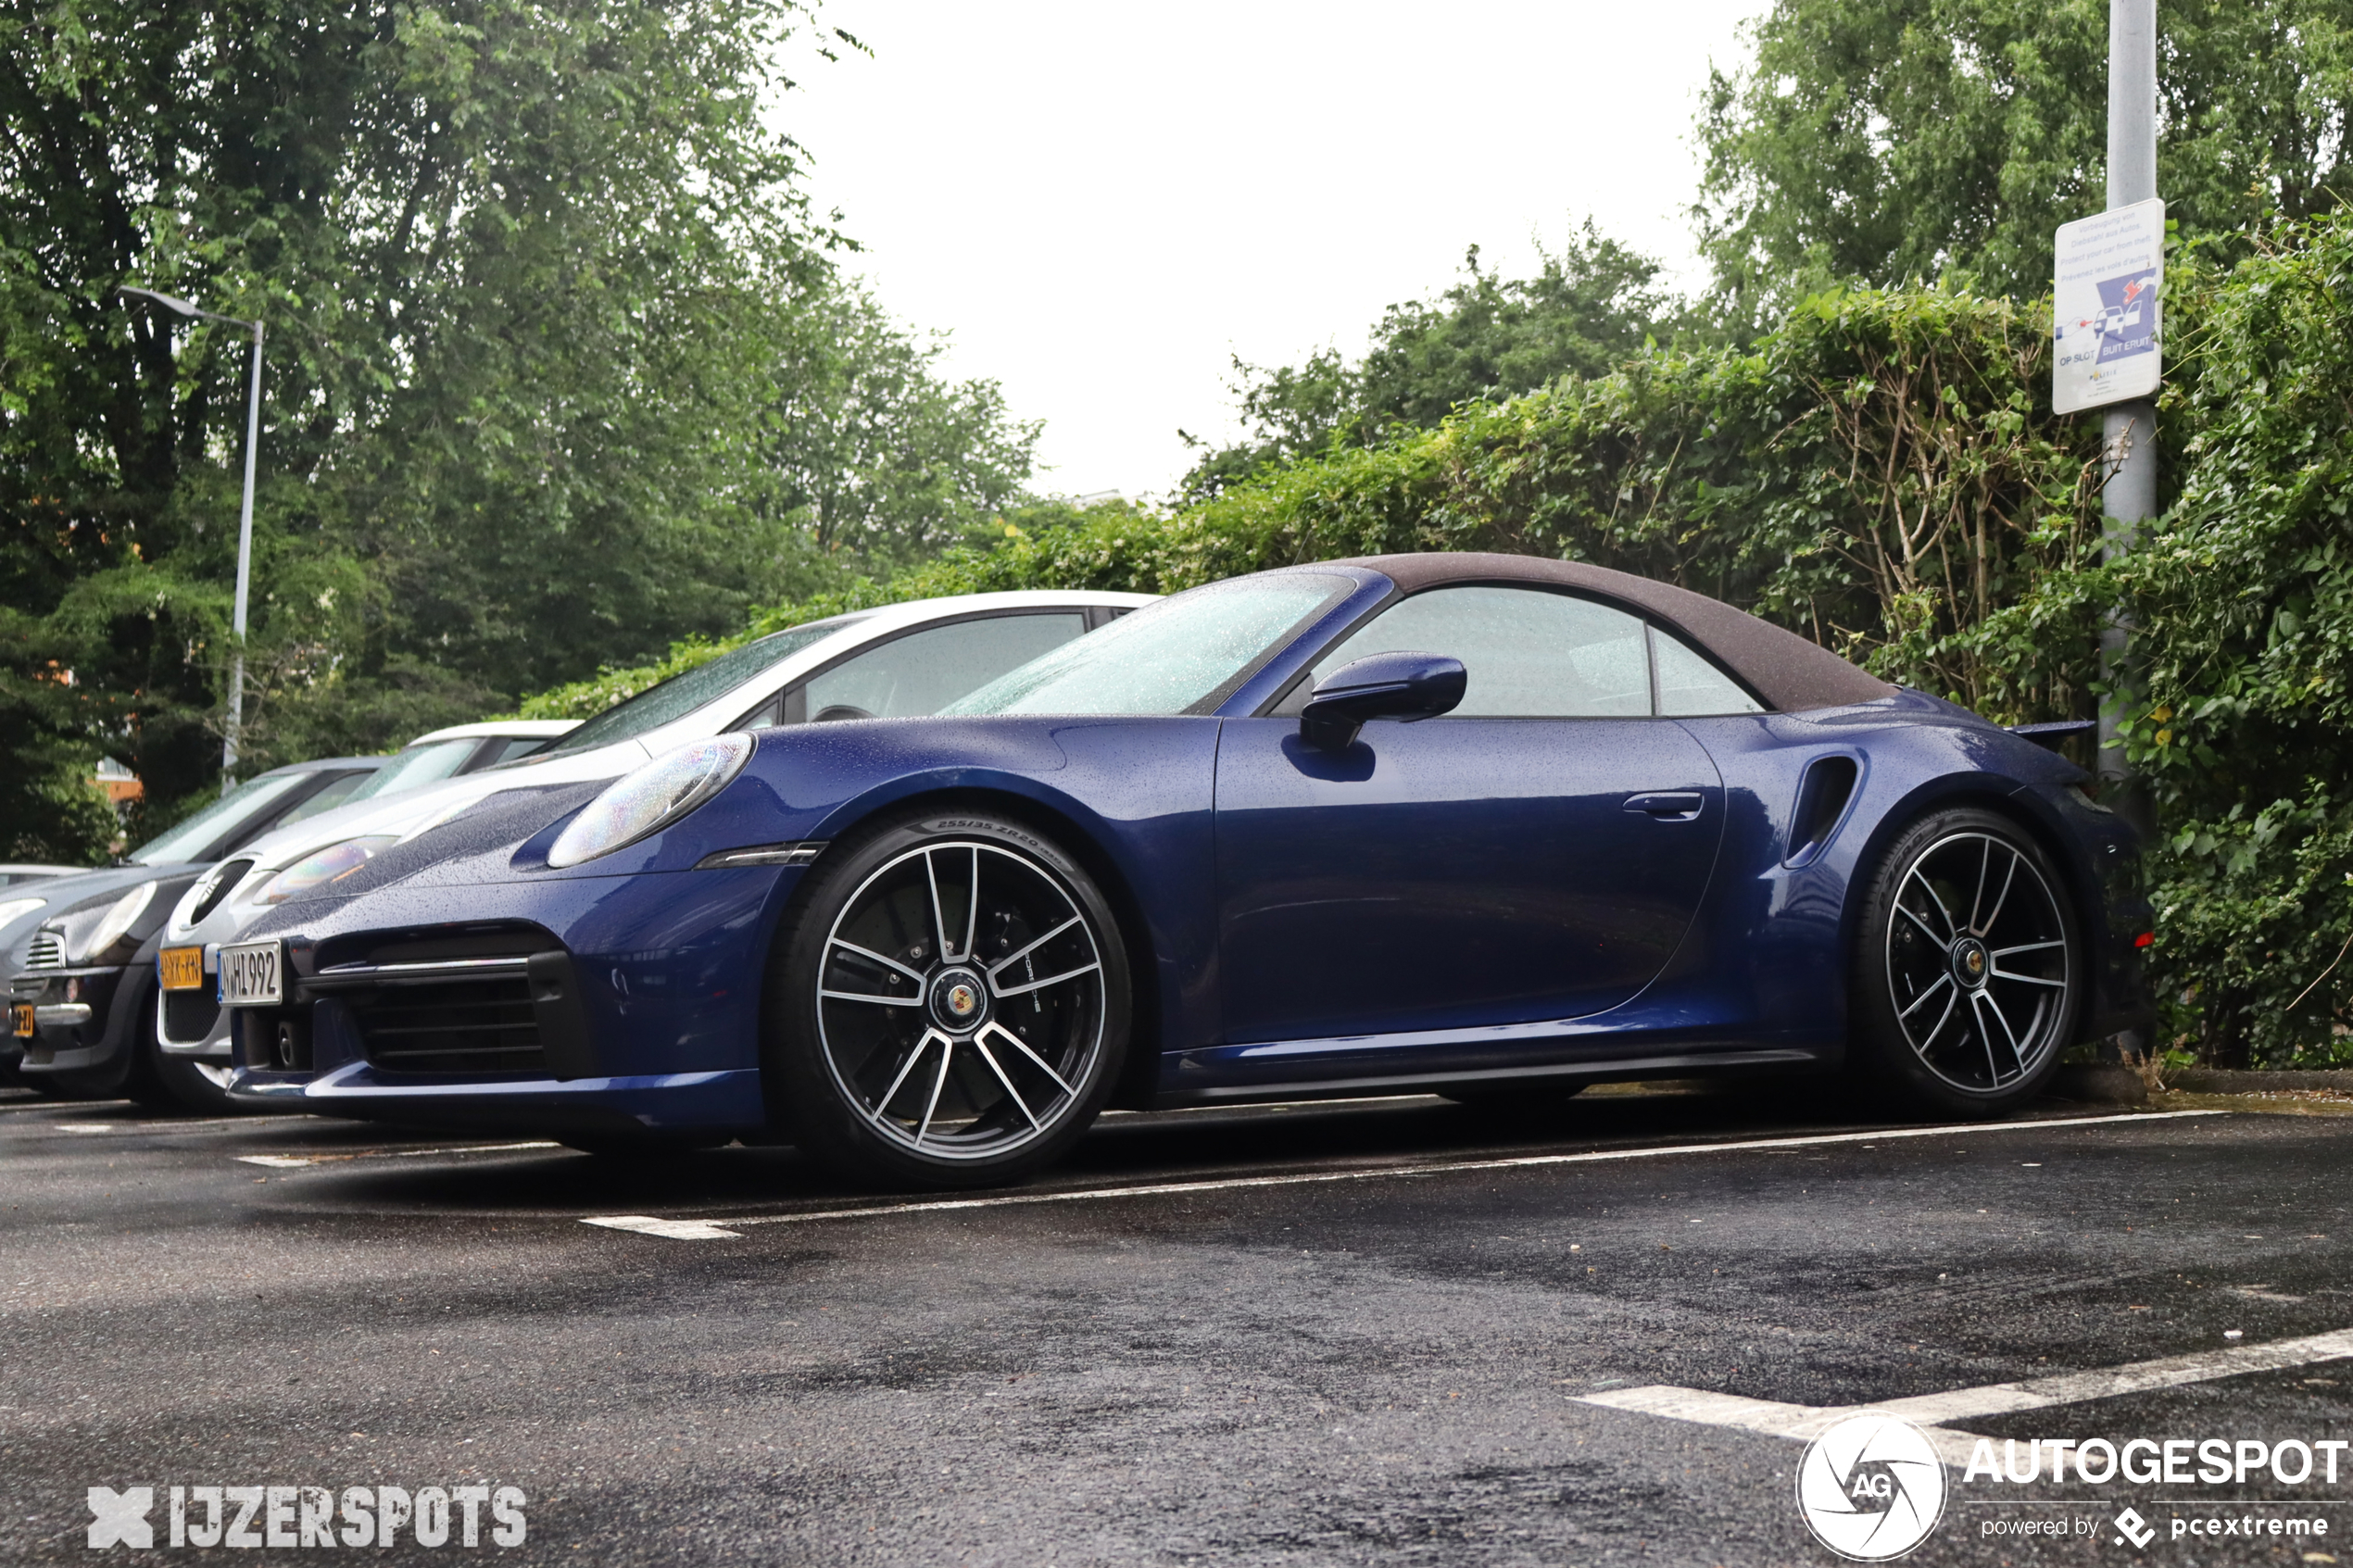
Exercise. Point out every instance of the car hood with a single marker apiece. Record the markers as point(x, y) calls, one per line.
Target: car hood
point(60, 894)
point(402, 817)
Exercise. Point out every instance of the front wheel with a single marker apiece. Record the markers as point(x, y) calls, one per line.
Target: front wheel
point(947, 1006)
point(1969, 970)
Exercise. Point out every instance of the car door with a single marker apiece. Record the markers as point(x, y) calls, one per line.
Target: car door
point(1536, 855)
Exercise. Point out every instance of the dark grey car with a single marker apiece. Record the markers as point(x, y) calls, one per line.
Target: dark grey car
point(78, 965)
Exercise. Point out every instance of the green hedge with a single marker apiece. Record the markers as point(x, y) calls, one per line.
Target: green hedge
point(1885, 473)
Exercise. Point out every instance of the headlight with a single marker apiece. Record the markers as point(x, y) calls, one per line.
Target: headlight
point(209, 890)
point(651, 798)
point(116, 923)
point(16, 909)
point(330, 864)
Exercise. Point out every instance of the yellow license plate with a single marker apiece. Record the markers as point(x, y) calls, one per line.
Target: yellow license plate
point(20, 1019)
point(179, 969)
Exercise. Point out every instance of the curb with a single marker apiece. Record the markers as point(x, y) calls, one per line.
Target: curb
point(2220, 1081)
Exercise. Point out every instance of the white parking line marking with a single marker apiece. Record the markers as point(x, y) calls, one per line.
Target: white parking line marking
point(1931, 1411)
point(295, 1162)
point(85, 1126)
point(1305, 1177)
point(1768, 1417)
point(2067, 1388)
point(676, 1229)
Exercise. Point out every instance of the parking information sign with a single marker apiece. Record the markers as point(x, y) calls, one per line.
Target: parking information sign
point(2111, 271)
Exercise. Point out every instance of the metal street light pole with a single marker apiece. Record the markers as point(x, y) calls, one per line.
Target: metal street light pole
point(245, 528)
point(2128, 499)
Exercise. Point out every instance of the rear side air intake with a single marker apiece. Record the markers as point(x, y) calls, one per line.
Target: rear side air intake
point(1822, 796)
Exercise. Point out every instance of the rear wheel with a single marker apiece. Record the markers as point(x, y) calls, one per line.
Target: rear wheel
point(947, 1007)
point(1969, 970)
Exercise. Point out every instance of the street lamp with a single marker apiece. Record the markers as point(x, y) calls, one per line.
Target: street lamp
point(245, 526)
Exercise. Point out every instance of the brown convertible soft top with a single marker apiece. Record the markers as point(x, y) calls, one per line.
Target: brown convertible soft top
point(1790, 673)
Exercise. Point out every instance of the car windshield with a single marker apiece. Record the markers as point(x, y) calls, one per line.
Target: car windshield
point(1181, 655)
point(327, 799)
point(416, 766)
point(681, 695)
point(185, 840)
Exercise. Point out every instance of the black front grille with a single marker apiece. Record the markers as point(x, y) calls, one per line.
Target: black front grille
point(188, 1016)
point(458, 1024)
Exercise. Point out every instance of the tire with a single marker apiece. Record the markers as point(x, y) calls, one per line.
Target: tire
point(975, 1010)
point(1969, 970)
point(192, 1085)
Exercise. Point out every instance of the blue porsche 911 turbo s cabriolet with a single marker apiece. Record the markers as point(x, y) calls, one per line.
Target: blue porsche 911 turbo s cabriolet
point(1212, 853)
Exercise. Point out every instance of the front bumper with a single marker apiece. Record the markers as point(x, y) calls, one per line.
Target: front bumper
point(581, 1004)
point(74, 1013)
point(724, 1102)
point(193, 1023)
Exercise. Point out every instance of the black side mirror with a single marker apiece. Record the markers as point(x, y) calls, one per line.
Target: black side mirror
point(1387, 686)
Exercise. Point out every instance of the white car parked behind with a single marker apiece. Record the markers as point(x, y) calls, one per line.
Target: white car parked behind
point(903, 660)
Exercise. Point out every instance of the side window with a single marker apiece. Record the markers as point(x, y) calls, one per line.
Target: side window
point(924, 671)
point(508, 750)
point(1530, 654)
point(1690, 687)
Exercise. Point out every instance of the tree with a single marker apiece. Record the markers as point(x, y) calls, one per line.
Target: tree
point(1486, 337)
point(1883, 142)
point(867, 451)
point(520, 263)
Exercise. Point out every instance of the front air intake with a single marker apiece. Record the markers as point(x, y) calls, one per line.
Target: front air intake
point(462, 1005)
point(467, 1023)
point(188, 1016)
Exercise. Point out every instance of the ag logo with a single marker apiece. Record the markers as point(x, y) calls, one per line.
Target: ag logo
point(1870, 1487)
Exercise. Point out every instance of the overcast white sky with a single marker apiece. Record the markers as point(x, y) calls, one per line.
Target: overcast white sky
point(1105, 201)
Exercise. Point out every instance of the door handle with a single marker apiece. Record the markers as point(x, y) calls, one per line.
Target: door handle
point(1672, 806)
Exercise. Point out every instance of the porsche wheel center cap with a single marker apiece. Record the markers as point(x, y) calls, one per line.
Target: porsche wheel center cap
point(959, 1001)
point(1972, 965)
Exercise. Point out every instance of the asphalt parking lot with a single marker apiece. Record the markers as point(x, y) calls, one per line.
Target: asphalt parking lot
point(1393, 1332)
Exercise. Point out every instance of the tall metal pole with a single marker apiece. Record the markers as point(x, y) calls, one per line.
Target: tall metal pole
point(245, 520)
point(2129, 430)
point(244, 576)
point(2128, 497)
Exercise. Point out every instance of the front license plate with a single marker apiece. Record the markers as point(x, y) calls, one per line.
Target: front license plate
point(252, 976)
point(179, 969)
point(20, 1019)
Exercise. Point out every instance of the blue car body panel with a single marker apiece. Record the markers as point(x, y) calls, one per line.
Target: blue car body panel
point(1448, 902)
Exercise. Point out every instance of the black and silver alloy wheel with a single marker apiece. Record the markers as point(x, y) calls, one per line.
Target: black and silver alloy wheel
point(1972, 972)
point(965, 999)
